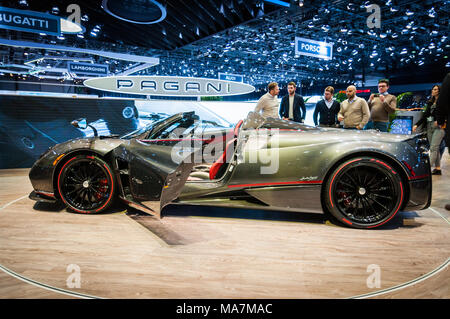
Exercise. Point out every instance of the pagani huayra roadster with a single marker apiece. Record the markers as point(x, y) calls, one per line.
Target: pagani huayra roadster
point(363, 178)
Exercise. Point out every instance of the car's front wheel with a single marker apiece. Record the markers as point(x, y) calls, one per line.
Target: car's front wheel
point(364, 192)
point(86, 184)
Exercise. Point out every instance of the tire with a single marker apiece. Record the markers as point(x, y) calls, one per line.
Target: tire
point(86, 184)
point(364, 192)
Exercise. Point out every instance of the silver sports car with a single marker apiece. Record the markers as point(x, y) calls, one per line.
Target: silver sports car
point(363, 178)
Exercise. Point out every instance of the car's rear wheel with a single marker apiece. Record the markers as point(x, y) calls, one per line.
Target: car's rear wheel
point(364, 192)
point(86, 184)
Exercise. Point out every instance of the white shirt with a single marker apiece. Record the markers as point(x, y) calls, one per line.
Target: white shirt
point(291, 107)
point(328, 103)
point(268, 104)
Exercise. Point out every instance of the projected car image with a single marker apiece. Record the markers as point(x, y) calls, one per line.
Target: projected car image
point(31, 124)
point(362, 178)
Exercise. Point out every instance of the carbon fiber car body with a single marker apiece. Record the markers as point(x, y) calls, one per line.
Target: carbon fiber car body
point(272, 164)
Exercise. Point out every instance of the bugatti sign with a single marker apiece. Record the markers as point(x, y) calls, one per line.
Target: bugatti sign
point(37, 22)
point(168, 86)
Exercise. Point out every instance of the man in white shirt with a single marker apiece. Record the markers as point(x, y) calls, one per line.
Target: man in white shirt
point(268, 103)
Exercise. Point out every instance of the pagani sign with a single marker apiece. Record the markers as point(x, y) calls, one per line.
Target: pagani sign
point(168, 86)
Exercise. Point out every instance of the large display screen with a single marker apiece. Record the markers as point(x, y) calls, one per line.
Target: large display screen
point(402, 125)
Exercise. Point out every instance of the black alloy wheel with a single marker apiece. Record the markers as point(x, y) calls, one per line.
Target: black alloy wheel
point(364, 192)
point(86, 184)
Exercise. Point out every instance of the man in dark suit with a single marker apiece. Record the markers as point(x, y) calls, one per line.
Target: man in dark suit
point(327, 109)
point(292, 106)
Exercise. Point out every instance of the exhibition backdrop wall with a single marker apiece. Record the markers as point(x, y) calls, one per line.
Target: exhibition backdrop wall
point(30, 122)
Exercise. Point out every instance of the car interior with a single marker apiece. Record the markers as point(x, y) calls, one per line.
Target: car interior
point(216, 170)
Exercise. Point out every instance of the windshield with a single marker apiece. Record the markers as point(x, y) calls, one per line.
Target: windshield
point(138, 132)
point(182, 127)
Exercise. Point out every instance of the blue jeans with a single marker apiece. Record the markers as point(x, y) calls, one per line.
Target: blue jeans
point(381, 126)
point(435, 136)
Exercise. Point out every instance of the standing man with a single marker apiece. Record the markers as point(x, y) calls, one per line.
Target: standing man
point(292, 106)
point(354, 110)
point(328, 108)
point(268, 103)
point(381, 105)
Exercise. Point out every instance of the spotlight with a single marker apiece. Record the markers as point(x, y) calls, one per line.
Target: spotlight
point(432, 13)
point(300, 3)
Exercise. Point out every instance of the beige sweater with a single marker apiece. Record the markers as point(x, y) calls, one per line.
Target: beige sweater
point(356, 113)
point(268, 104)
point(379, 111)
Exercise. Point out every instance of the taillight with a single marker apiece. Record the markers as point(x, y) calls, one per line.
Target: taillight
point(411, 171)
point(422, 145)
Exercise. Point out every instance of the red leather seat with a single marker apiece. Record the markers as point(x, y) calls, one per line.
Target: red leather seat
point(236, 129)
point(224, 158)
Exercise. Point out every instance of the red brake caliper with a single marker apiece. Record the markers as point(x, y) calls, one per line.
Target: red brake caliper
point(347, 200)
point(103, 188)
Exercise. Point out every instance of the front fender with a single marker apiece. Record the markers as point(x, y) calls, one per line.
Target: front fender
point(43, 171)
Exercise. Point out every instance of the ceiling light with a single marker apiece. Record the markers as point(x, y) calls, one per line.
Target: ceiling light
point(432, 13)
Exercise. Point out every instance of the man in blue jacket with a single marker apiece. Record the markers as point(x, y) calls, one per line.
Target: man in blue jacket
point(327, 109)
point(292, 106)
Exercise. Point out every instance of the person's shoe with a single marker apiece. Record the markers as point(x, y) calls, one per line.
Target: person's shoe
point(447, 206)
point(436, 172)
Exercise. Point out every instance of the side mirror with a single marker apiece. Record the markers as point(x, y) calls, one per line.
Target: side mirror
point(80, 123)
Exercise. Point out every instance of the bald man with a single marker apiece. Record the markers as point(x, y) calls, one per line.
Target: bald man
point(354, 110)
